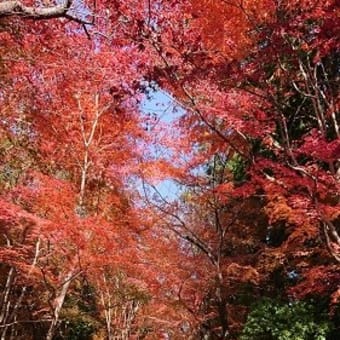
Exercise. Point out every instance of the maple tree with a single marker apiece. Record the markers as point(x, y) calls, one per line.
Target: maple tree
point(78, 254)
point(86, 250)
point(261, 98)
point(67, 211)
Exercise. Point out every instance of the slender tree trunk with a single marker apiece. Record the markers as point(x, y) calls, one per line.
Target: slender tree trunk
point(24, 289)
point(107, 309)
point(222, 305)
point(59, 301)
point(5, 301)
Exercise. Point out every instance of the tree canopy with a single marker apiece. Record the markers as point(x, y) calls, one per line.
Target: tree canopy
point(91, 247)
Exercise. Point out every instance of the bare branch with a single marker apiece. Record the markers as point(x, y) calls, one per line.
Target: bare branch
point(17, 8)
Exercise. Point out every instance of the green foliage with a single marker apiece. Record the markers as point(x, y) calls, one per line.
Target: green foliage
point(80, 330)
point(237, 166)
point(270, 320)
point(79, 313)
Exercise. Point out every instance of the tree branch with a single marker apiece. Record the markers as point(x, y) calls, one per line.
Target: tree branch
point(17, 8)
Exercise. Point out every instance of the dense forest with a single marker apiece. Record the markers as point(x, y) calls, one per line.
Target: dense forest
point(92, 247)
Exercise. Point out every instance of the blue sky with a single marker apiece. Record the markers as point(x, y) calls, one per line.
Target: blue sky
point(164, 107)
point(162, 104)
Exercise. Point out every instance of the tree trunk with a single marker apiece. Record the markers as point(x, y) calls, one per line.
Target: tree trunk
point(59, 301)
